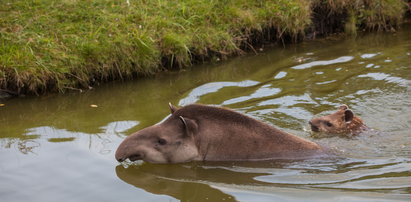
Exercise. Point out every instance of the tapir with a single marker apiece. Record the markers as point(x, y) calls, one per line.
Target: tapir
point(343, 121)
point(206, 133)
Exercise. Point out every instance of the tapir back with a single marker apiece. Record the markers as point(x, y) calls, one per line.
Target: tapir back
point(224, 134)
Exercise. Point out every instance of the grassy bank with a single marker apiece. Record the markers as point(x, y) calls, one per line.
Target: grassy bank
point(351, 16)
point(55, 45)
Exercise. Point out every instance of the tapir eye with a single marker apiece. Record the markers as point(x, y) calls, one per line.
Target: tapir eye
point(162, 141)
point(328, 124)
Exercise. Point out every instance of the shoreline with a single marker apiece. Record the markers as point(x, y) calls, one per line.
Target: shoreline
point(50, 46)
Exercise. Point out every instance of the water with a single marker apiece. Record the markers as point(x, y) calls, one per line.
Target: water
point(61, 147)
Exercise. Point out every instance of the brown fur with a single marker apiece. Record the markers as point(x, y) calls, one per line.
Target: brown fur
point(217, 134)
point(344, 121)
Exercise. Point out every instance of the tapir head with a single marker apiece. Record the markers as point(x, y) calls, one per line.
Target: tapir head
point(172, 141)
point(338, 122)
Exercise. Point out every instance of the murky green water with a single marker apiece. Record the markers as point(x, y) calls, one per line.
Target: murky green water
point(59, 148)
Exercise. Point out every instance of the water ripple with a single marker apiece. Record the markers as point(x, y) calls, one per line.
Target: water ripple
point(324, 62)
point(280, 75)
point(212, 87)
point(369, 55)
point(288, 100)
point(385, 77)
point(119, 126)
point(326, 82)
point(264, 91)
point(364, 176)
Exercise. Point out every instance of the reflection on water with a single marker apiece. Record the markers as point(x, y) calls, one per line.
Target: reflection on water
point(264, 91)
point(173, 180)
point(29, 141)
point(212, 87)
point(204, 181)
point(324, 62)
point(57, 147)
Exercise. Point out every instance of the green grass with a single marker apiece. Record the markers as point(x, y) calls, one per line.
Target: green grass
point(55, 45)
point(372, 15)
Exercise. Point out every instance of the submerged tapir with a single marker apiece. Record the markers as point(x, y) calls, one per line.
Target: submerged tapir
point(205, 133)
point(344, 121)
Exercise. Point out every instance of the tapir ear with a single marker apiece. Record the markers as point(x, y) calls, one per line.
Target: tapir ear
point(172, 108)
point(190, 126)
point(343, 107)
point(348, 115)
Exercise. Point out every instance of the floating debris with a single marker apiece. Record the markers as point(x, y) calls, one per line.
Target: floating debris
point(2, 105)
point(94, 106)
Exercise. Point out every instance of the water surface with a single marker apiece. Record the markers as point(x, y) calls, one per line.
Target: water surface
point(60, 147)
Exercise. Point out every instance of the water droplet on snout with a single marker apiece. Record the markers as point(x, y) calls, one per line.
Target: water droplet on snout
point(127, 163)
point(138, 162)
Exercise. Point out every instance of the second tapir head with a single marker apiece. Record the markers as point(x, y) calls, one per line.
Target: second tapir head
point(342, 121)
point(171, 141)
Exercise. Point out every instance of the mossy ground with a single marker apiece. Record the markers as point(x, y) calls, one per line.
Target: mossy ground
point(55, 45)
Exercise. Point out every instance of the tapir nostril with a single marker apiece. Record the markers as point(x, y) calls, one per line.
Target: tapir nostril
point(313, 127)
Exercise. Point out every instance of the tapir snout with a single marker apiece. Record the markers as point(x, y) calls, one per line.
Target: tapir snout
point(121, 155)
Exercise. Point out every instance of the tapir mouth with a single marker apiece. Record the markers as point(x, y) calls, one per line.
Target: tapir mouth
point(133, 157)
